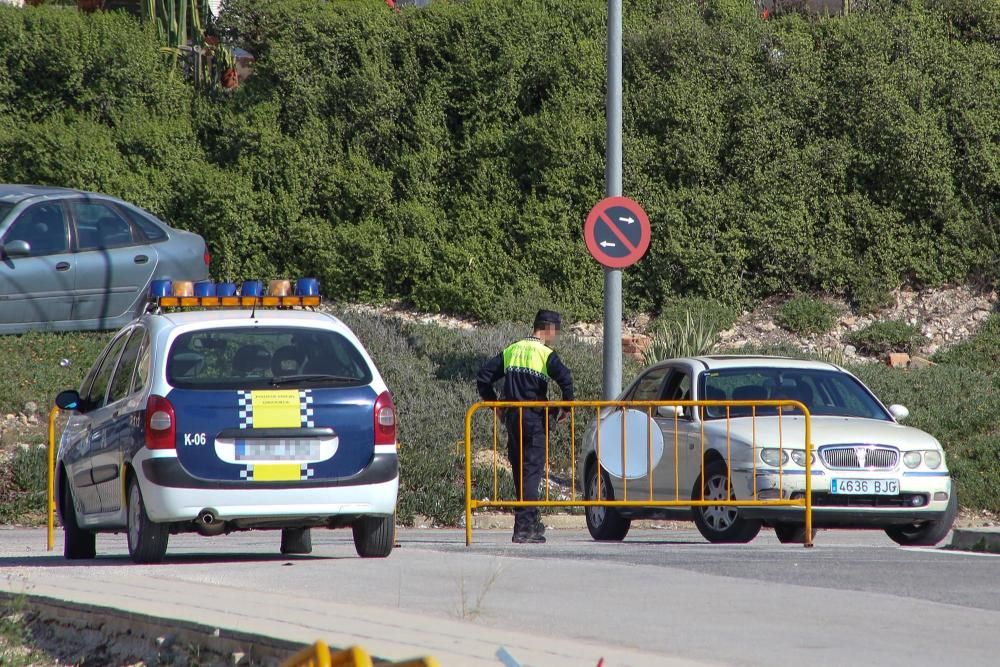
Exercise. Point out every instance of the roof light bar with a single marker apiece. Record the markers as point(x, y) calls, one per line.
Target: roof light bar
point(207, 294)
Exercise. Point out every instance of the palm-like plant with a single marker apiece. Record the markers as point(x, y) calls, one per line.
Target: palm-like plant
point(690, 337)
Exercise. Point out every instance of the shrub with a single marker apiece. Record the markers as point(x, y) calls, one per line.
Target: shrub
point(691, 337)
point(446, 156)
point(880, 338)
point(715, 315)
point(804, 315)
point(23, 486)
point(981, 351)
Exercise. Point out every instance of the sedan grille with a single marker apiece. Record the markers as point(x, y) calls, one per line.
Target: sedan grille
point(859, 457)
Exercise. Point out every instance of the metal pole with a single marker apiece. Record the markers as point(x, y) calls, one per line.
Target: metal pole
point(613, 175)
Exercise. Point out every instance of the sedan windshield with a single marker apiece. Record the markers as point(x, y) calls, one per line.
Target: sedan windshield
point(261, 357)
point(824, 393)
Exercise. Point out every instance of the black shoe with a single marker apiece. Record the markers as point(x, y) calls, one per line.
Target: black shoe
point(528, 538)
point(538, 529)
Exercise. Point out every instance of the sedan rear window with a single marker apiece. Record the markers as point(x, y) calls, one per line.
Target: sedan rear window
point(262, 357)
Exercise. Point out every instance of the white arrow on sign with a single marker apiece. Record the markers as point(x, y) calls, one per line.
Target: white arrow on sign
point(628, 220)
point(607, 244)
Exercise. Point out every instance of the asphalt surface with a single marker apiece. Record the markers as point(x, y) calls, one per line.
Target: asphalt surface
point(661, 597)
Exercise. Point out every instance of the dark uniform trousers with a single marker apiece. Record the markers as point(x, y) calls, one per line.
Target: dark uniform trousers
point(526, 433)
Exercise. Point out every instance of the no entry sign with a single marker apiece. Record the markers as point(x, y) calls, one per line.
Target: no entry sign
point(617, 232)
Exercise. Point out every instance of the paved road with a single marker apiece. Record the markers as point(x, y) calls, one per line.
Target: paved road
point(662, 597)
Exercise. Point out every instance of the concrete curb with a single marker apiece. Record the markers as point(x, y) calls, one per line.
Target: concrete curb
point(983, 540)
point(111, 623)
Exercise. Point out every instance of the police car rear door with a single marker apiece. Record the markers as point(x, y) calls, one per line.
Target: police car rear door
point(271, 405)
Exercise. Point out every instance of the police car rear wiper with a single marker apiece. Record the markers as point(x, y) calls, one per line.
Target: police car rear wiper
point(312, 377)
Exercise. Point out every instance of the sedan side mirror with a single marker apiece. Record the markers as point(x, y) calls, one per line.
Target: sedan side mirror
point(898, 412)
point(68, 400)
point(670, 411)
point(17, 249)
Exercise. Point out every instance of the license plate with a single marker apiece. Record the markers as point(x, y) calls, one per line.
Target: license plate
point(865, 487)
point(277, 450)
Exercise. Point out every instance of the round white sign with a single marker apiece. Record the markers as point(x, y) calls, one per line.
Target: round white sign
point(643, 444)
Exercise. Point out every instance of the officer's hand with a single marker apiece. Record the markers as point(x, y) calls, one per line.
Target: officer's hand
point(563, 415)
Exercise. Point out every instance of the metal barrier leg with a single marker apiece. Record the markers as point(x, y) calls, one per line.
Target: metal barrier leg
point(50, 497)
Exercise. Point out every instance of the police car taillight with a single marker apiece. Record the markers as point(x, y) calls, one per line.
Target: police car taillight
point(161, 424)
point(385, 420)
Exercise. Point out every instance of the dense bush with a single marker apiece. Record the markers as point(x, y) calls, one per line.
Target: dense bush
point(880, 338)
point(448, 155)
point(804, 315)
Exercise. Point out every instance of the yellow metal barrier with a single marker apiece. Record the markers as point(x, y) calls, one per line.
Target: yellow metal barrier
point(319, 655)
point(603, 410)
point(50, 497)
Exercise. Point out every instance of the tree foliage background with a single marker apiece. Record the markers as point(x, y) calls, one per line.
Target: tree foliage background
point(448, 156)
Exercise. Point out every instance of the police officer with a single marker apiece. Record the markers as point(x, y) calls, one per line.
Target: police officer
point(525, 368)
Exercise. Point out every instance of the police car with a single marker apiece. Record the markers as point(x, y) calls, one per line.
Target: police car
point(223, 410)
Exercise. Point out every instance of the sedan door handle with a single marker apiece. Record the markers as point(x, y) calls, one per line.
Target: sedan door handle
point(140, 259)
point(62, 266)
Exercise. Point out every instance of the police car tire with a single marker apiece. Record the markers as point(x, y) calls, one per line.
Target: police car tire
point(740, 531)
point(150, 545)
point(296, 541)
point(374, 536)
point(78, 544)
point(928, 533)
point(613, 527)
point(791, 533)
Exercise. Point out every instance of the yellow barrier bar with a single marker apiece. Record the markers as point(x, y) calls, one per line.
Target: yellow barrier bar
point(468, 475)
point(601, 501)
point(317, 655)
point(50, 498)
point(809, 484)
point(496, 455)
point(352, 657)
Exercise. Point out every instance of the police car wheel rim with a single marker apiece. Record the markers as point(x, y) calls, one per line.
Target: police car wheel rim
point(134, 516)
point(596, 514)
point(717, 517)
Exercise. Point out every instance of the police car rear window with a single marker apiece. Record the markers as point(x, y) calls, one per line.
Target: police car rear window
point(253, 358)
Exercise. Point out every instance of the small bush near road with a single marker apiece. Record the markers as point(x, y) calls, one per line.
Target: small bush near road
point(715, 315)
point(690, 337)
point(981, 351)
point(804, 315)
point(880, 338)
point(23, 487)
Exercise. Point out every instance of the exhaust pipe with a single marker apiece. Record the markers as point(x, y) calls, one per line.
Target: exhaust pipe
point(208, 524)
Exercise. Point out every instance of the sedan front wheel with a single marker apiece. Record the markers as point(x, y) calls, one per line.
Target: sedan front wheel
point(721, 523)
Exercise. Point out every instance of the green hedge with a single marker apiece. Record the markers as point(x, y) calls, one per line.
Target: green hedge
point(448, 155)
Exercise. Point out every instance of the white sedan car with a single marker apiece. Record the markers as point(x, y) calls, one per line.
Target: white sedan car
point(868, 470)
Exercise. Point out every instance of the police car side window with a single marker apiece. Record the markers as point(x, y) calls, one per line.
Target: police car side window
point(122, 383)
point(142, 368)
point(99, 387)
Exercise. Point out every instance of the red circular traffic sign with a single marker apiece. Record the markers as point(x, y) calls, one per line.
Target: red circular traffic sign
point(617, 232)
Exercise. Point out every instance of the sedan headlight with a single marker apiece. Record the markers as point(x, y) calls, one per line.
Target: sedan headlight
point(799, 457)
point(773, 457)
point(911, 459)
point(932, 459)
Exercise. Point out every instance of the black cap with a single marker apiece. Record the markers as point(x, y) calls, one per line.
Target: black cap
point(545, 318)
